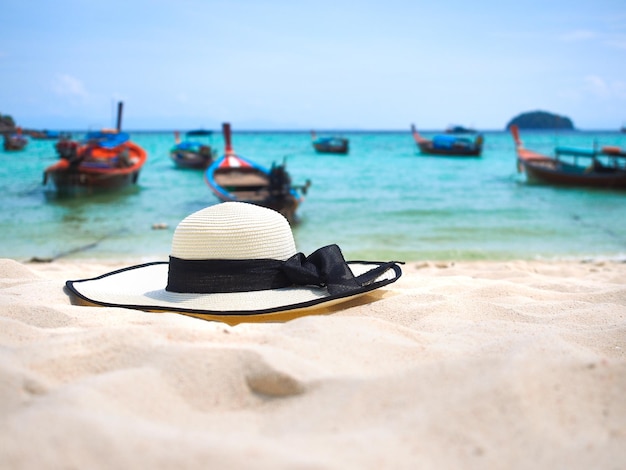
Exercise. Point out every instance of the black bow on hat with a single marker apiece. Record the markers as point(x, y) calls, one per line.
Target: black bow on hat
point(325, 267)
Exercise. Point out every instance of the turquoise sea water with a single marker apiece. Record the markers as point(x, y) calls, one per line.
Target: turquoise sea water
point(382, 201)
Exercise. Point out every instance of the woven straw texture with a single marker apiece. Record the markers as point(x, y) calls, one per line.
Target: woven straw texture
point(234, 230)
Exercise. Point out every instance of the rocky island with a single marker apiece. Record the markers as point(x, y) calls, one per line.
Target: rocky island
point(541, 120)
point(7, 124)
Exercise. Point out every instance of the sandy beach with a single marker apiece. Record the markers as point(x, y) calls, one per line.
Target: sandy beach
point(457, 365)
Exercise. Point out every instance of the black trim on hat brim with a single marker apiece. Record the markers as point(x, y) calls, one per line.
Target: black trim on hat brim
point(235, 313)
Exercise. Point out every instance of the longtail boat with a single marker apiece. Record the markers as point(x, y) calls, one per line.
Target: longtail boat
point(192, 153)
point(48, 135)
point(104, 160)
point(450, 145)
point(338, 145)
point(15, 141)
point(235, 178)
point(600, 168)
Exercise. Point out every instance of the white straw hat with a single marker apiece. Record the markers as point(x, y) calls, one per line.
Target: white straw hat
point(236, 261)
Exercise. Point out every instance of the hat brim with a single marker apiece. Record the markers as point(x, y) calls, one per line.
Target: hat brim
point(142, 287)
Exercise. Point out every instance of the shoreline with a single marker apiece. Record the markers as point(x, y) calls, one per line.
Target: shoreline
point(97, 266)
point(467, 364)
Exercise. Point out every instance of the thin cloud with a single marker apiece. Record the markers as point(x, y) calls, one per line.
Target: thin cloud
point(602, 88)
point(578, 35)
point(66, 85)
point(616, 43)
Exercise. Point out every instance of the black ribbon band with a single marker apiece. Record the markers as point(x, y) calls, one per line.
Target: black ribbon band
point(325, 267)
point(219, 275)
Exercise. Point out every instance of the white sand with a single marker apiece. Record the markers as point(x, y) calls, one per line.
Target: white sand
point(472, 365)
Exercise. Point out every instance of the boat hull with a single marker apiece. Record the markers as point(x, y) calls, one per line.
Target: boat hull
point(245, 181)
point(553, 172)
point(338, 148)
point(77, 182)
point(192, 160)
point(97, 169)
point(427, 148)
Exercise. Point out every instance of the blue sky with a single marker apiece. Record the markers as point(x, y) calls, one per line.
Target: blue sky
point(285, 64)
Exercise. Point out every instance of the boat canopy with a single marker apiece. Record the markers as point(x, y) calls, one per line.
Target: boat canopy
point(199, 132)
point(329, 140)
point(51, 134)
point(107, 139)
point(448, 141)
point(575, 151)
point(188, 145)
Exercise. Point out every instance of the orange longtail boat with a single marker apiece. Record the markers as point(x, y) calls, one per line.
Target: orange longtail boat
point(104, 160)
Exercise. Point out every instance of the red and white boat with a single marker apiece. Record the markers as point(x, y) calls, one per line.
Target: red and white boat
point(235, 178)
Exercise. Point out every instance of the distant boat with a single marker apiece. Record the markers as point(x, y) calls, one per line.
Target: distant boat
point(604, 168)
point(104, 160)
point(192, 153)
point(330, 144)
point(15, 141)
point(48, 135)
point(235, 178)
point(449, 145)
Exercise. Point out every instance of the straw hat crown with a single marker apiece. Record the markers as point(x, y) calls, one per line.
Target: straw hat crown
point(234, 230)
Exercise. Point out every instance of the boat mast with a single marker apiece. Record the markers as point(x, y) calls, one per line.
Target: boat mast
point(120, 106)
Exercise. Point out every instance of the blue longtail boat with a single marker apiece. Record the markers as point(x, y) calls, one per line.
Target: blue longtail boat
point(236, 178)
